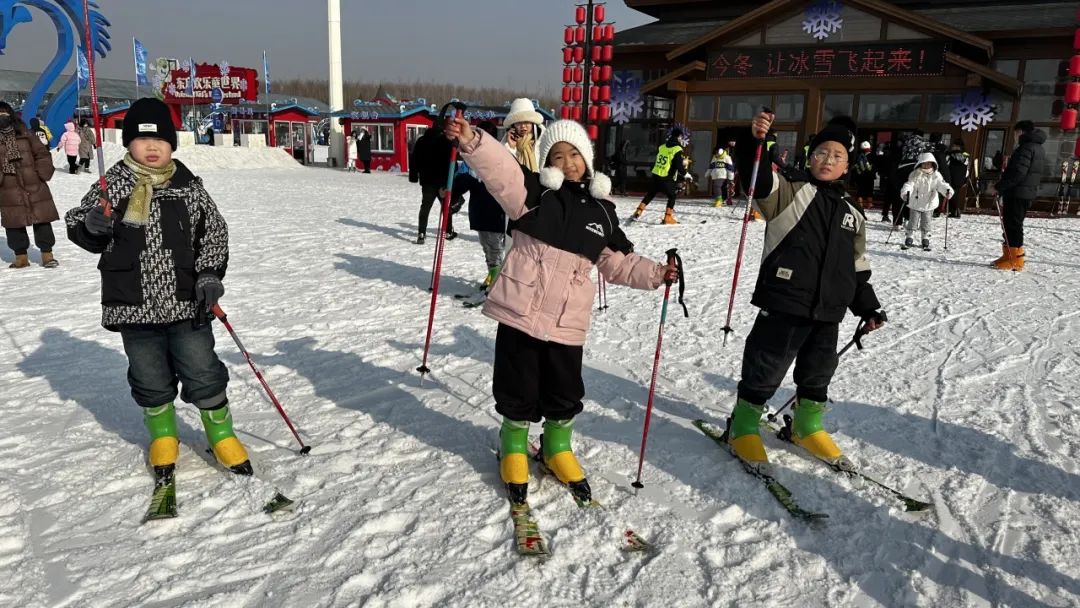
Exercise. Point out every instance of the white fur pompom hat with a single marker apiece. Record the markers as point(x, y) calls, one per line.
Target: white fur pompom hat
point(575, 135)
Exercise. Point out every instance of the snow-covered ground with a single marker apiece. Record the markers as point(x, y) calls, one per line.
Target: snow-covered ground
point(967, 398)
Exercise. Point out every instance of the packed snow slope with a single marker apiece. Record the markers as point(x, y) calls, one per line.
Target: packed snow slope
point(967, 399)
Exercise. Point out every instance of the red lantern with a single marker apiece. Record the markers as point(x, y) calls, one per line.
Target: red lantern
point(597, 33)
point(1068, 119)
point(577, 95)
point(579, 54)
point(564, 112)
point(605, 113)
point(595, 53)
point(579, 14)
point(1074, 65)
point(594, 73)
point(609, 33)
point(576, 113)
point(566, 94)
point(579, 74)
point(594, 94)
point(593, 132)
point(567, 54)
point(1072, 92)
point(568, 34)
point(598, 13)
point(605, 93)
point(567, 74)
point(605, 73)
point(594, 113)
point(1076, 39)
point(609, 53)
point(579, 34)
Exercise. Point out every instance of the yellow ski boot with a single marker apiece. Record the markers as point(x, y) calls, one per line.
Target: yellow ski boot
point(744, 436)
point(514, 459)
point(227, 448)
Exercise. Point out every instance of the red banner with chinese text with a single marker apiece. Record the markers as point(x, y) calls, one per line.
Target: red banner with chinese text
point(886, 59)
point(236, 84)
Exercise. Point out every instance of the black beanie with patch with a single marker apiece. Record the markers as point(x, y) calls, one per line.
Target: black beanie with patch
point(149, 117)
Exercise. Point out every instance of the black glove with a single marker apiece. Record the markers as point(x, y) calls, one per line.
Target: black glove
point(208, 290)
point(97, 223)
point(874, 320)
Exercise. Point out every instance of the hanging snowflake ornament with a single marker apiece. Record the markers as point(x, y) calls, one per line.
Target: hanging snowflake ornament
point(224, 67)
point(972, 111)
point(626, 101)
point(822, 19)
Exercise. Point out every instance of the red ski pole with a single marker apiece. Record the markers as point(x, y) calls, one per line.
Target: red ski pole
point(672, 256)
point(742, 238)
point(423, 369)
point(94, 108)
point(220, 314)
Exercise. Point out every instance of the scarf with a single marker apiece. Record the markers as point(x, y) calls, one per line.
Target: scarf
point(526, 152)
point(146, 179)
point(9, 151)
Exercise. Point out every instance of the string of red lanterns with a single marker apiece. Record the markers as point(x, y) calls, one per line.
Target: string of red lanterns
point(1072, 89)
point(586, 75)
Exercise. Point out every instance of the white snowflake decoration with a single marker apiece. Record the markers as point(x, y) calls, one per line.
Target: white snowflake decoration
point(626, 101)
point(972, 111)
point(224, 67)
point(822, 19)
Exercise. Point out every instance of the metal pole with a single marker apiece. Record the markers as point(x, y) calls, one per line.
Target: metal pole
point(337, 95)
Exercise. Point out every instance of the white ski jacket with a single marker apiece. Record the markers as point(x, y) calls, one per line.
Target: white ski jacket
point(922, 189)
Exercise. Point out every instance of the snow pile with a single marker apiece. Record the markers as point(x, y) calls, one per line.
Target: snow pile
point(202, 158)
point(967, 398)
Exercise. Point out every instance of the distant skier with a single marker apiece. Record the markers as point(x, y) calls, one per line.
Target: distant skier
point(486, 217)
point(1018, 186)
point(69, 144)
point(921, 191)
point(864, 174)
point(957, 171)
point(813, 269)
point(667, 171)
point(164, 251)
point(563, 225)
point(25, 199)
point(721, 172)
point(363, 149)
point(86, 145)
point(350, 152)
point(429, 165)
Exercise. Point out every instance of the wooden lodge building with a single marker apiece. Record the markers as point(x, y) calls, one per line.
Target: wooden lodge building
point(893, 66)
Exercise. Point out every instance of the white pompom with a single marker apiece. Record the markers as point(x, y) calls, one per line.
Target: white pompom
point(600, 187)
point(551, 177)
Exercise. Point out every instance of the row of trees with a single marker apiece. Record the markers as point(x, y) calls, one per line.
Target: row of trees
point(433, 92)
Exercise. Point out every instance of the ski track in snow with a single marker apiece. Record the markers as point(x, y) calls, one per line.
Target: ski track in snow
point(966, 398)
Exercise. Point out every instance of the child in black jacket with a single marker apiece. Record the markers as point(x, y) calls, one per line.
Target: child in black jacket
point(813, 269)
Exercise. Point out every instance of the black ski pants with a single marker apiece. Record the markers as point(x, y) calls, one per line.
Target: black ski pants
point(1012, 215)
point(774, 342)
point(658, 185)
point(19, 240)
point(534, 379)
point(428, 196)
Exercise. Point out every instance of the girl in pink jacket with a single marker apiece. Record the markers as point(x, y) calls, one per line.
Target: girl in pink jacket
point(562, 226)
point(69, 142)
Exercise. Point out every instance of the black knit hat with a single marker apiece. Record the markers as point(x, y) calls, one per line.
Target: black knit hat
point(840, 130)
point(149, 117)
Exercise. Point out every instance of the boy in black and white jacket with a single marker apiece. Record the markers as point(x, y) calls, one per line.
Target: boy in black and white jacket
point(164, 250)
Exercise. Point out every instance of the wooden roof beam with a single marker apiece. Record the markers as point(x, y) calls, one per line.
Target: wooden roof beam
point(920, 22)
point(693, 66)
point(1008, 83)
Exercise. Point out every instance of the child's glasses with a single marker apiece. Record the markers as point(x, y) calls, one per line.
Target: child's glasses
point(822, 156)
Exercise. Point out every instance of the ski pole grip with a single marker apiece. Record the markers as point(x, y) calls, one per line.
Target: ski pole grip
point(218, 312)
point(671, 258)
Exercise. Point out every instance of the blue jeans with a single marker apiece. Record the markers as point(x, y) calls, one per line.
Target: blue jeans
point(161, 356)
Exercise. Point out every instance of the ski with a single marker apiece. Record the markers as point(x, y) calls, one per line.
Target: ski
point(631, 540)
point(778, 491)
point(163, 500)
point(279, 503)
point(846, 468)
point(475, 302)
point(527, 537)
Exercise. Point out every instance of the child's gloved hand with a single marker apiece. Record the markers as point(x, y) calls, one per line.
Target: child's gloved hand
point(208, 290)
point(459, 129)
point(872, 321)
point(97, 223)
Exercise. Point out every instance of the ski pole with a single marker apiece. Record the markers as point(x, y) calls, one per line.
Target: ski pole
point(601, 288)
point(672, 256)
point(437, 269)
point(947, 214)
point(742, 238)
point(105, 204)
point(856, 340)
point(220, 314)
point(899, 214)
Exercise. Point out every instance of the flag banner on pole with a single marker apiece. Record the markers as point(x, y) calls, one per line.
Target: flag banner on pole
point(84, 70)
point(140, 64)
point(266, 73)
point(191, 78)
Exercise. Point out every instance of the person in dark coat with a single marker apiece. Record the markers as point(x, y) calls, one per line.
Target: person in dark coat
point(363, 149)
point(1018, 187)
point(209, 136)
point(957, 170)
point(863, 174)
point(25, 199)
point(429, 165)
point(86, 145)
point(619, 163)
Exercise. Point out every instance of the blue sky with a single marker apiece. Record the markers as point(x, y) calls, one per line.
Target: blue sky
point(507, 43)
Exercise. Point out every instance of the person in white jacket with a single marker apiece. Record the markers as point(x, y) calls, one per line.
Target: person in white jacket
point(921, 193)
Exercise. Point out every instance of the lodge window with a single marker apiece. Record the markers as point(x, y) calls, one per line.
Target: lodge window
point(413, 133)
point(702, 107)
point(382, 137)
point(1009, 67)
point(838, 105)
point(742, 107)
point(789, 108)
point(889, 108)
point(659, 108)
point(1040, 78)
